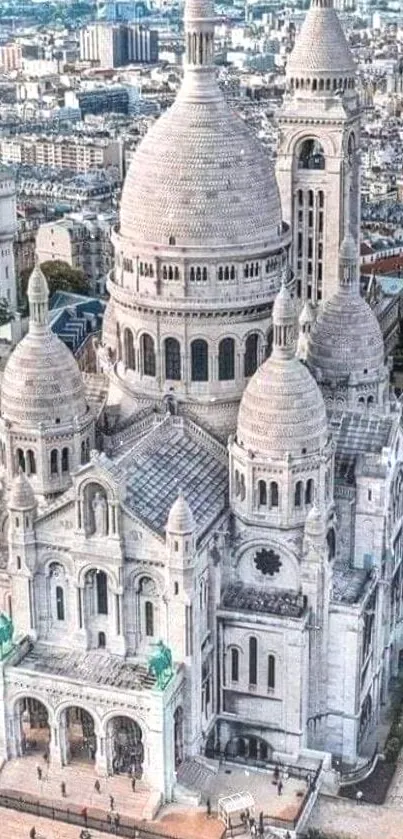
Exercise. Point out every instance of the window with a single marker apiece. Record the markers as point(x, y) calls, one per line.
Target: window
point(250, 357)
point(149, 616)
point(311, 155)
point(101, 640)
point(128, 344)
point(252, 661)
point(20, 460)
point(262, 491)
point(226, 359)
point(54, 462)
point(331, 543)
point(31, 462)
point(298, 494)
point(59, 603)
point(271, 672)
point(65, 460)
point(148, 355)
point(172, 240)
point(309, 491)
point(234, 665)
point(82, 452)
point(273, 494)
point(102, 593)
point(199, 352)
point(172, 359)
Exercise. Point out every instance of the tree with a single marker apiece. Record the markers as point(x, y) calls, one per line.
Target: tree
point(5, 314)
point(60, 276)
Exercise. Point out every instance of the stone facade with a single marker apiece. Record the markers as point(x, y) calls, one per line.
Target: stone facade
point(270, 566)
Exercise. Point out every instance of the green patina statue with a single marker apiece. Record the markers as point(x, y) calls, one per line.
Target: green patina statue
point(6, 635)
point(160, 665)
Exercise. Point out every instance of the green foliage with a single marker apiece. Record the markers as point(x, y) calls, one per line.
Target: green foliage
point(5, 314)
point(60, 277)
point(392, 749)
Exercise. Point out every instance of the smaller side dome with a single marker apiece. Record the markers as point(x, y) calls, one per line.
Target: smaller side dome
point(22, 495)
point(314, 524)
point(38, 290)
point(307, 314)
point(180, 519)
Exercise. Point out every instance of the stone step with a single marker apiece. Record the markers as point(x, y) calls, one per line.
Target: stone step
point(183, 795)
point(194, 775)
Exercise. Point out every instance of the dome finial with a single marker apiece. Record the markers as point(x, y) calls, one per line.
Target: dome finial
point(38, 296)
point(284, 321)
point(200, 78)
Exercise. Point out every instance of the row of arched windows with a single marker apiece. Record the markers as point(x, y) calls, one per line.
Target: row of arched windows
point(304, 494)
point(199, 352)
point(26, 461)
point(59, 461)
point(200, 273)
point(253, 666)
point(323, 84)
point(251, 269)
point(146, 269)
point(268, 498)
point(170, 272)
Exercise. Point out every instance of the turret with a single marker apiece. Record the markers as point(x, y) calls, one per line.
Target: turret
point(22, 553)
point(180, 534)
point(305, 321)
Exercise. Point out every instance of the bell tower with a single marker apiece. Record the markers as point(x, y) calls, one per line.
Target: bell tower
point(318, 151)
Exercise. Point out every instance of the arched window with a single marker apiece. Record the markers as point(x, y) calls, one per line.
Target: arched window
point(170, 273)
point(20, 460)
point(273, 494)
point(31, 464)
point(192, 274)
point(331, 543)
point(309, 490)
point(54, 462)
point(164, 272)
point(232, 272)
point(199, 352)
point(234, 665)
point(262, 490)
point(237, 483)
point(87, 449)
point(128, 343)
point(298, 494)
point(311, 155)
point(149, 616)
point(226, 359)
point(176, 272)
point(83, 452)
point(172, 359)
point(226, 273)
point(65, 460)
point(204, 274)
point(102, 593)
point(101, 640)
point(198, 274)
point(148, 355)
point(250, 357)
point(59, 603)
point(271, 672)
point(252, 661)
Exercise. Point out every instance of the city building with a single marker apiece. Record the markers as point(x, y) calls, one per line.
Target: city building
point(8, 228)
point(81, 240)
point(78, 154)
point(118, 44)
point(223, 574)
point(10, 57)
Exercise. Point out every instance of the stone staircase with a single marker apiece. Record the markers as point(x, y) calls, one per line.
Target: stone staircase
point(194, 777)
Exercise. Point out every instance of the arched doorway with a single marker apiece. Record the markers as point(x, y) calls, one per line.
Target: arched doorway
point(178, 736)
point(125, 746)
point(35, 728)
point(81, 741)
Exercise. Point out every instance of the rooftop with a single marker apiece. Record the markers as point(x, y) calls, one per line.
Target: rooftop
point(357, 434)
point(238, 597)
point(349, 583)
point(93, 667)
point(170, 459)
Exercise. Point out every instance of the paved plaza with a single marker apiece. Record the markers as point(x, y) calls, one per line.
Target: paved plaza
point(342, 817)
point(17, 826)
point(79, 778)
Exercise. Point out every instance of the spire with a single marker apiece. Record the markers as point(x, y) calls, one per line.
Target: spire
point(38, 297)
point(200, 76)
point(348, 256)
point(284, 323)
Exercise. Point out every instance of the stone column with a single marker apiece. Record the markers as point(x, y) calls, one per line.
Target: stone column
point(55, 747)
point(101, 762)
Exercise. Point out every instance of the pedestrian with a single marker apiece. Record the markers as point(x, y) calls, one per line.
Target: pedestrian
point(208, 807)
point(32, 833)
point(359, 796)
point(117, 820)
point(84, 813)
point(261, 823)
point(39, 773)
point(112, 802)
point(109, 818)
point(63, 789)
point(279, 786)
point(97, 786)
point(134, 783)
point(46, 757)
point(276, 773)
point(253, 828)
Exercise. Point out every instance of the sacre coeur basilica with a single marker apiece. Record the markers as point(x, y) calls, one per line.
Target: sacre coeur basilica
point(211, 563)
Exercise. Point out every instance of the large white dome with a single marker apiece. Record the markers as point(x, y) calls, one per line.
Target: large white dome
point(42, 383)
point(282, 409)
point(346, 339)
point(200, 179)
